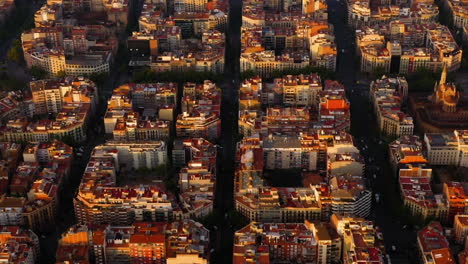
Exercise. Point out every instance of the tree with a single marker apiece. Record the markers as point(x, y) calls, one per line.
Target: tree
point(247, 74)
point(38, 72)
point(379, 72)
point(147, 75)
point(237, 219)
point(15, 53)
point(61, 74)
point(99, 78)
point(423, 80)
point(10, 83)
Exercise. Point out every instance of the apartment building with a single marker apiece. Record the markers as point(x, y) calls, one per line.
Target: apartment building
point(300, 39)
point(286, 120)
point(153, 95)
point(40, 209)
point(279, 205)
point(16, 104)
point(407, 149)
point(118, 105)
point(187, 40)
point(291, 108)
point(77, 48)
point(37, 184)
point(10, 156)
point(71, 100)
point(462, 138)
point(291, 90)
point(373, 58)
point(387, 95)
point(367, 36)
point(200, 149)
point(250, 94)
point(249, 172)
point(135, 155)
point(346, 164)
point(190, 5)
point(460, 226)
point(346, 195)
point(54, 151)
point(442, 148)
point(405, 46)
point(70, 122)
point(454, 193)
point(364, 13)
point(74, 244)
point(48, 14)
point(100, 200)
point(441, 41)
point(265, 63)
point(250, 122)
point(19, 245)
point(11, 210)
point(359, 13)
point(197, 177)
point(459, 12)
point(49, 96)
point(145, 242)
point(362, 239)
point(307, 242)
point(323, 50)
point(333, 109)
point(433, 246)
point(141, 112)
point(412, 59)
point(417, 193)
point(286, 152)
point(54, 59)
point(199, 61)
point(201, 106)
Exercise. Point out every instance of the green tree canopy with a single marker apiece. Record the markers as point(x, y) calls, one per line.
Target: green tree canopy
point(38, 72)
point(15, 53)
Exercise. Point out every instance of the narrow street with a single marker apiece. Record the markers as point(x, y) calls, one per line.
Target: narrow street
point(364, 130)
point(224, 196)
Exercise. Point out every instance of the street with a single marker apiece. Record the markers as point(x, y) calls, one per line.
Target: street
point(224, 196)
point(364, 130)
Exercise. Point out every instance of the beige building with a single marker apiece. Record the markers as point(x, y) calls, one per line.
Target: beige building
point(441, 41)
point(359, 237)
point(460, 226)
point(265, 63)
point(442, 148)
point(279, 205)
point(373, 58)
point(387, 95)
point(186, 259)
point(459, 12)
point(190, 5)
point(416, 58)
point(49, 96)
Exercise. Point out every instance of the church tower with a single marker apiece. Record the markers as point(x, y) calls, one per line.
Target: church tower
point(446, 94)
point(443, 76)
